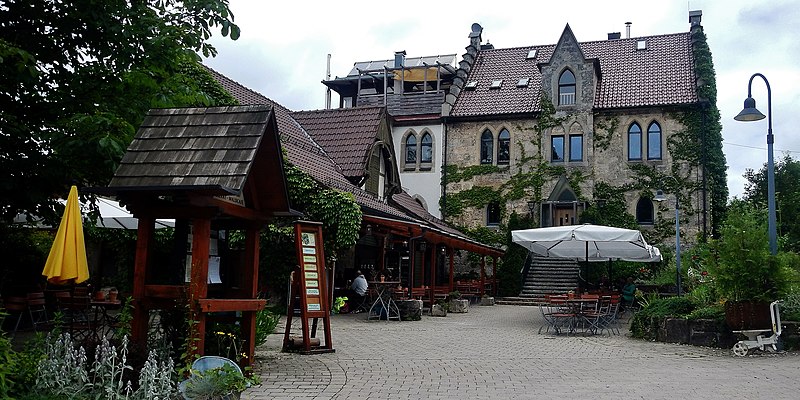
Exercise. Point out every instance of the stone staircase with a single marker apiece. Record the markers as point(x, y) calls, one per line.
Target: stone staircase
point(549, 275)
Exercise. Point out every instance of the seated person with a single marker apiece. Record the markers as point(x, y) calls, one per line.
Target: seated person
point(359, 289)
point(628, 292)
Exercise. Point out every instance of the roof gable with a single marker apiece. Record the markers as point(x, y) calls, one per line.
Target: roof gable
point(568, 44)
point(659, 76)
point(346, 134)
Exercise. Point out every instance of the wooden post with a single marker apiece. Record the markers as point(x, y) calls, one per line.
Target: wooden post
point(483, 275)
point(494, 275)
point(249, 289)
point(432, 247)
point(140, 313)
point(452, 268)
point(198, 287)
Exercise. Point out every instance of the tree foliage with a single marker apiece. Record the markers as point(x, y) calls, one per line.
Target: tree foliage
point(78, 76)
point(787, 198)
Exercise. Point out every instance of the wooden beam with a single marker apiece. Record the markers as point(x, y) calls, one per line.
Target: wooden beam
point(140, 312)
point(452, 267)
point(165, 291)
point(219, 305)
point(249, 288)
point(198, 287)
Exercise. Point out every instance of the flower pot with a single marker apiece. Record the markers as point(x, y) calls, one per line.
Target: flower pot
point(746, 315)
point(112, 295)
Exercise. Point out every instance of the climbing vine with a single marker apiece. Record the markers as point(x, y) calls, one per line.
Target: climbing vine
point(605, 132)
point(338, 211)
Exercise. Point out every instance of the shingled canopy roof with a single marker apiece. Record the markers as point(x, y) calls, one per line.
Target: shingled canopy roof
point(663, 74)
point(206, 150)
point(346, 134)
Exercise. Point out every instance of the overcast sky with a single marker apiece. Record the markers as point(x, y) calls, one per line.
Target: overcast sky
point(284, 45)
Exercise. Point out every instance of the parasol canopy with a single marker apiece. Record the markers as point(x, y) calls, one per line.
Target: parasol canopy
point(67, 259)
point(587, 242)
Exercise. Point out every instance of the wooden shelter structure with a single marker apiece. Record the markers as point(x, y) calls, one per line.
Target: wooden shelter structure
point(213, 170)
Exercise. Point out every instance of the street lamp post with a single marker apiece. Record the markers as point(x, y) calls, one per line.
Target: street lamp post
point(750, 113)
point(661, 197)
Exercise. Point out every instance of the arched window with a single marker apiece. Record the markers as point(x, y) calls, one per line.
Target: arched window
point(634, 142)
point(503, 147)
point(411, 150)
point(654, 141)
point(493, 214)
point(426, 148)
point(644, 211)
point(566, 88)
point(487, 147)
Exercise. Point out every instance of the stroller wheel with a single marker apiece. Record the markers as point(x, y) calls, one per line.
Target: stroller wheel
point(740, 349)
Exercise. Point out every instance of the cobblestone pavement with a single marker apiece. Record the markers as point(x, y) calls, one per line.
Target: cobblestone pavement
point(496, 353)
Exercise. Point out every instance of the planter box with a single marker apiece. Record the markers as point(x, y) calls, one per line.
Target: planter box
point(487, 301)
point(437, 310)
point(459, 306)
point(743, 315)
point(410, 310)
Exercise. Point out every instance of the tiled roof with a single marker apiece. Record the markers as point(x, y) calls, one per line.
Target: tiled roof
point(663, 74)
point(304, 153)
point(346, 134)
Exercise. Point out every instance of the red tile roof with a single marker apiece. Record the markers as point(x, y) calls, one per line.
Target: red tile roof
point(663, 74)
point(346, 134)
point(306, 154)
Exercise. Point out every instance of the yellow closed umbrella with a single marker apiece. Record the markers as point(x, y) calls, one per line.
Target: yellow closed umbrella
point(67, 259)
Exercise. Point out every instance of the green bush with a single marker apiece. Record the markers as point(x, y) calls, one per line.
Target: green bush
point(645, 323)
point(715, 312)
point(266, 321)
point(790, 310)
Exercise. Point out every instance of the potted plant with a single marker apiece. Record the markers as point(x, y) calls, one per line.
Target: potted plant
point(225, 382)
point(487, 300)
point(746, 275)
point(440, 308)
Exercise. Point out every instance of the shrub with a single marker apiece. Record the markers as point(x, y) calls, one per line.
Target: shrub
point(645, 323)
point(715, 312)
point(266, 321)
point(790, 310)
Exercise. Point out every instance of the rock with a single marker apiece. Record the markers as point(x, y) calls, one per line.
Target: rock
point(459, 306)
point(487, 301)
point(437, 310)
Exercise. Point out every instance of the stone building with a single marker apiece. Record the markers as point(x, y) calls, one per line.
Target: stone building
point(555, 130)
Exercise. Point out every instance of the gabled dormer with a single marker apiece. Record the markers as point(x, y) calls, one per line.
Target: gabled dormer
point(568, 77)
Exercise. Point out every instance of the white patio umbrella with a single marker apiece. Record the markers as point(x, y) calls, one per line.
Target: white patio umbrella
point(587, 243)
point(114, 215)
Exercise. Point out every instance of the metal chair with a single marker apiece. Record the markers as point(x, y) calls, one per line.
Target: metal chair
point(37, 309)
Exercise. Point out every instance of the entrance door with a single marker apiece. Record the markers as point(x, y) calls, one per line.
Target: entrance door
point(564, 216)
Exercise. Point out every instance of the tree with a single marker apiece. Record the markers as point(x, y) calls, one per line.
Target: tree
point(787, 197)
point(78, 76)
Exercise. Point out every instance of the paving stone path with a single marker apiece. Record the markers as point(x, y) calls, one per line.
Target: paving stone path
point(496, 353)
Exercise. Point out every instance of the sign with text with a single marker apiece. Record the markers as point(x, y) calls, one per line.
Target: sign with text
point(311, 257)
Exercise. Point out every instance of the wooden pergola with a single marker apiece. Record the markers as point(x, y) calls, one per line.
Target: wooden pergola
point(212, 170)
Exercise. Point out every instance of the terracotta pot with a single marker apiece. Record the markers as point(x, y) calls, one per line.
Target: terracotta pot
point(112, 295)
point(746, 315)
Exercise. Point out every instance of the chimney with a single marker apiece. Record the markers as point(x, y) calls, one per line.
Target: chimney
point(614, 35)
point(695, 17)
point(628, 30)
point(399, 63)
point(475, 35)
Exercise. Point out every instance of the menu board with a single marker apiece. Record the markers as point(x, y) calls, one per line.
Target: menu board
point(310, 254)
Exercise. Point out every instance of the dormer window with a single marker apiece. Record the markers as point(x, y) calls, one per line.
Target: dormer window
point(566, 88)
point(471, 85)
point(531, 55)
point(496, 84)
point(523, 82)
point(641, 45)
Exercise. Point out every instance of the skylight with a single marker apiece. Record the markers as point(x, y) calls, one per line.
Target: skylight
point(471, 85)
point(523, 82)
point(641, 45)
point(531, 54)
point(496, 84)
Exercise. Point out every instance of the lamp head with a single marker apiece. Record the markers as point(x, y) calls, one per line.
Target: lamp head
point(749, 113)
point(660, 195)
